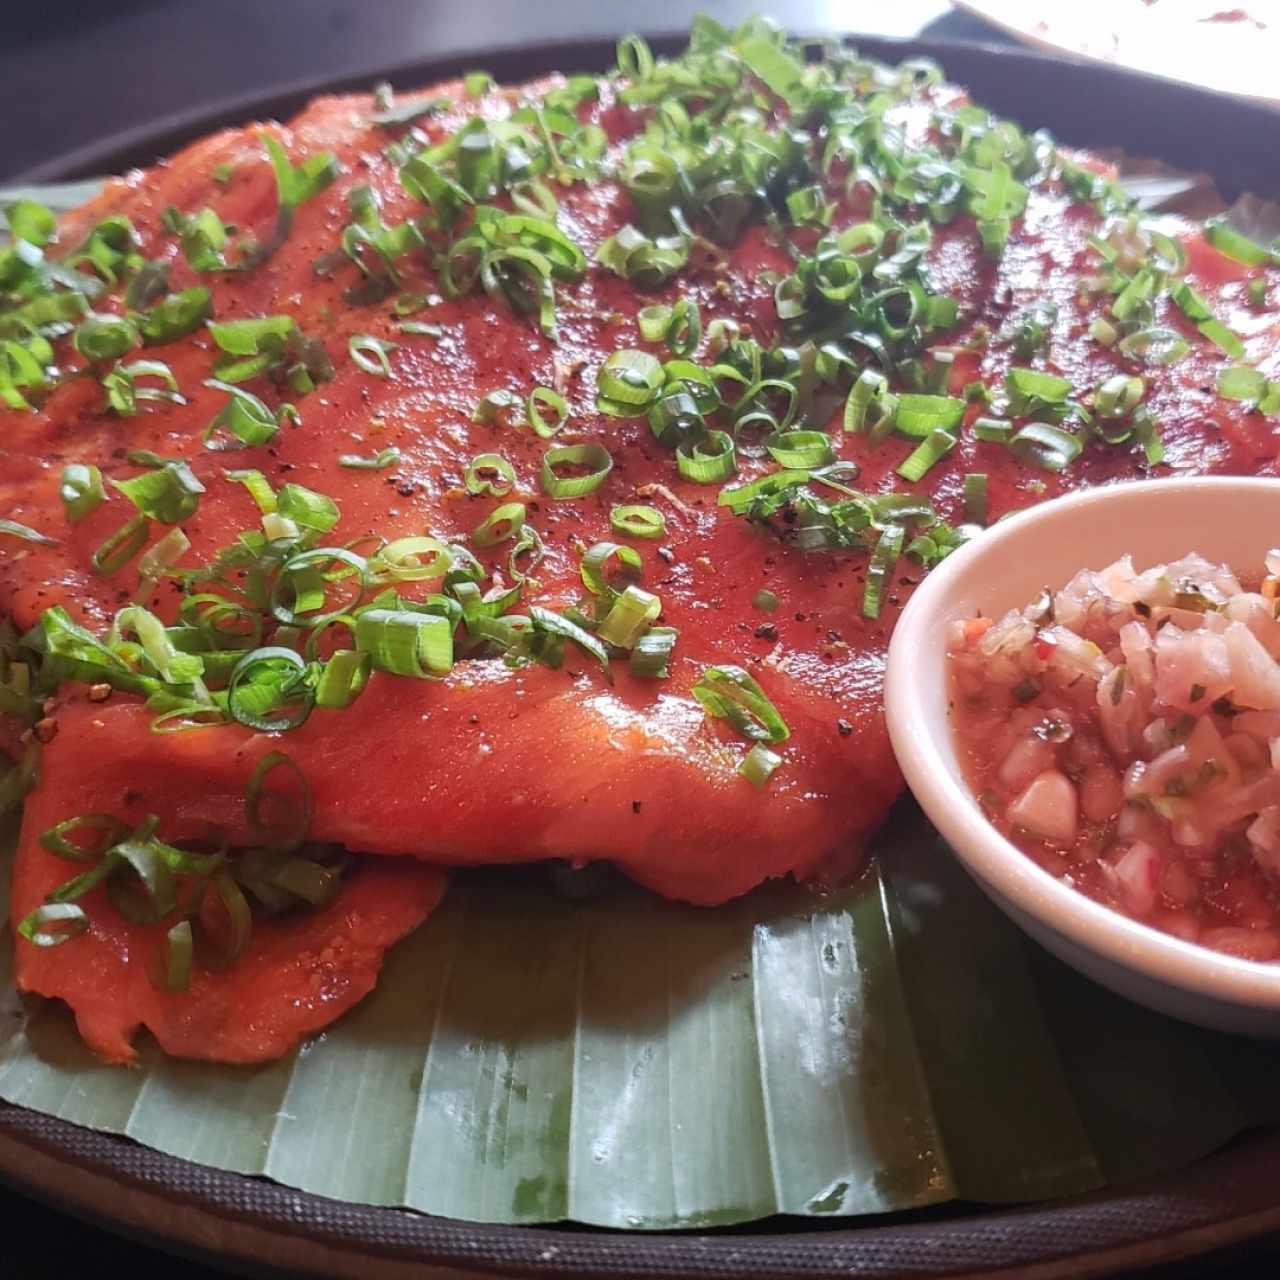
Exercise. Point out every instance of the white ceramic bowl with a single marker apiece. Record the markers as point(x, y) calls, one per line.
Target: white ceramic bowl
point(1234, 521)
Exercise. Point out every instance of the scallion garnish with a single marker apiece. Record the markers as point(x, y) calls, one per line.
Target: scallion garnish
point(628, 383)
point(758, 765)
point(121, 546)
point(931, 450)
point(501, 524)
point(637, 521)
point(1046, 446)
point(975, 498)
point(596, 568)
point(101, 338)
point(630, 615)
point(81, 490)
point(269, 690)
point(371, 354)
point(497, 406)
point(708, 460)
point(244, 421)
point(124, 393)
point(379, 461)
point(176, 315)
point(592, 461)
point(730, 693)
point(13, 529)
point(919, 415)
point(809, 449)
point(406, 642)
point(169, 493)
point(552, 400)
point(883, 558)
point(1226, 239)
point(306, 508)
point(651, 656)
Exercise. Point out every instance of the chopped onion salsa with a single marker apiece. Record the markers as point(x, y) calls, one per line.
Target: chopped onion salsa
point(650, 393)
point(1125, 733)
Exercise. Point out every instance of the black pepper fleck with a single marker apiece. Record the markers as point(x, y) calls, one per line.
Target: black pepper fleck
point(844, 728)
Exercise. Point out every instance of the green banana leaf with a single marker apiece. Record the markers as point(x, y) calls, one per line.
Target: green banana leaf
point(629, 1062)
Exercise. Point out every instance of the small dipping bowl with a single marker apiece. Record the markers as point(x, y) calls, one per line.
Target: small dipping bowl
point(1228, 521)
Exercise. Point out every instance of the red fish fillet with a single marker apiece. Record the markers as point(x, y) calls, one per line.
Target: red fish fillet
point(491, 765)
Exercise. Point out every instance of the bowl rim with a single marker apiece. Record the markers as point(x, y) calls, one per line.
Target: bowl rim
point(922, 741)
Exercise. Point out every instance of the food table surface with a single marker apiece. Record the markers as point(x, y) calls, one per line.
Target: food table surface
point(63, 68)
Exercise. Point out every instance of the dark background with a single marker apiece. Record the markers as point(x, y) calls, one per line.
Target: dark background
point(74, 71)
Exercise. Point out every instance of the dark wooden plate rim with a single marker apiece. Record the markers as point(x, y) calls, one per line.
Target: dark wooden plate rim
point(1224, 1200)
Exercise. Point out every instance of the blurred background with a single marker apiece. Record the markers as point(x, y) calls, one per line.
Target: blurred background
point(77, 70)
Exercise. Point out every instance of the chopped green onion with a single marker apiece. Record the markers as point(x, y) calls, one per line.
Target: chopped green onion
point(1103, 331)
point(1238, 382)
point(530, 544)
point(629, 617)
point(651, 656)
point(380, 461)
point(637, 521)
point(684, 330)
point(975, 498)
point(594, 457)
point(371, 354)
point(491, 474)
point(729, 693)
point(995, 430)
point(654, 322)
point(554, 624)
point(53, 923)
point(497, 406)
point(259, 488)
point(1046, 446)
point(303, 577)
point(1119, 395)
point(595, 568)
point(499, 525)
point(110, 830)
point(1163, 345)
point(765, 600)
point(291, 830)
point(758, 765)
point(244, 417)
point(883, 558)
point(267, 690)
point(121, 546)
point(803, 449)
point(102, 338)
point(405, 642)
point(554, 401)
point(1026, 386)
point(81, 490)
point(1226, 239)
point(176, 315)
point(709, 460)
point(169, 493)
point(401, 560)
point(918, 415)
point(931, 450)
point(871, 387)
point(342, 679)
point(123, 392)
point(179, 949)
point(477, 83)
point(163, 554)
point(13, 529)
point(1223, 338)
point(306, 508)
point(628, 383)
